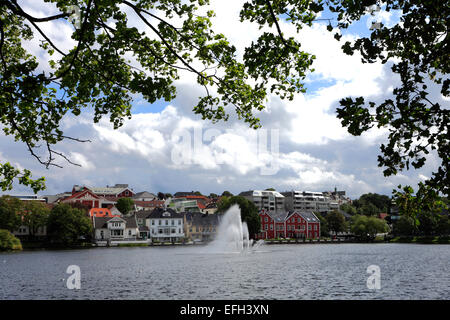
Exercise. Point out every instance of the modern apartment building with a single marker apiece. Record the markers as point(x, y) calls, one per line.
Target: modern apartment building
point(309, 201)
point(272, 201)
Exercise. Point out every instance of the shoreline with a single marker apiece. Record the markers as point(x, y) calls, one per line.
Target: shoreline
point(30, 246)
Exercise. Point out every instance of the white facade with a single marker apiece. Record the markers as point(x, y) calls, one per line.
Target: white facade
point(309, 201)
point(166, 228)
point(116, 229)
point(272, 201)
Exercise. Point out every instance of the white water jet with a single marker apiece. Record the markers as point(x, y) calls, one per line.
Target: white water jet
point(232, 234)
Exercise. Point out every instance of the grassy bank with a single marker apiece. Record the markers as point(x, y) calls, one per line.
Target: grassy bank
point(8, 242)
point(421, 239)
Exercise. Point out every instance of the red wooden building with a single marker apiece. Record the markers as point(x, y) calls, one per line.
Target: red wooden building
point(289, 225)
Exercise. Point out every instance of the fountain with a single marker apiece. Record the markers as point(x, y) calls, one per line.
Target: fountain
point(232, 235)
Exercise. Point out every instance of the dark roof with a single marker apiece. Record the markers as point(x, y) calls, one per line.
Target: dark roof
point(144, 228)
point(246, 193)
point(142, 214)
point(163, 213)
point(197, 218)
point(183, 194)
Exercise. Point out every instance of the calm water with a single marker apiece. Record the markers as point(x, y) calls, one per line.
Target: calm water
point(309, 271)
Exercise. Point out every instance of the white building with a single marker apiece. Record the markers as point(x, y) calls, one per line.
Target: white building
point(272, 201)
point(116, 228)
point(309, 201)
point(165, 225)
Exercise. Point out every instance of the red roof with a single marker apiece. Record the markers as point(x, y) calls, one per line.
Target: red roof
point(101, 212)
point(81, 193)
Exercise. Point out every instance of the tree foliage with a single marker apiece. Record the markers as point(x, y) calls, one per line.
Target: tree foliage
point(366, 228)
point(67, 225)
point(97, 73)
point(336, 222)
point(249, 212)
point(34, 216)
point(125, 205)
point(10, 213)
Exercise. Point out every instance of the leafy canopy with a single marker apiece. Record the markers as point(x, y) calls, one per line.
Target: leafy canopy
point(97, 71)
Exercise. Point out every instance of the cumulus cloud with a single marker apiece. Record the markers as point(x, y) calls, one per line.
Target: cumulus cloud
point(173, 149)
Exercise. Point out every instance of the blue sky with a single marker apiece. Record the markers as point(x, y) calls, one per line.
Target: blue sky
point(314, 152)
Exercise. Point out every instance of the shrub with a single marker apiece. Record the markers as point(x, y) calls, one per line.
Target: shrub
point(8, 241)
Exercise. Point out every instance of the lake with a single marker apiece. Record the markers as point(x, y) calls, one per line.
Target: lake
point(290, 271)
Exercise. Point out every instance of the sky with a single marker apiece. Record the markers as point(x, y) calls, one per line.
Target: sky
point(166, 147)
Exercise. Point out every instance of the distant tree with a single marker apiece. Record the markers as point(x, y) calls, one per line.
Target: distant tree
point(227, 194)
point(405, 226)
point(368, 209)
point(198, 193)
point(34, 216)
point(168, 195)
point(428, 223)
point(10, 211)
point(67, 225)
point(324, 232)
point(372, 204)
point(270, 189)
point(336, 221)
point(161, 196)
point(249, 212)
point(77, 205)
point(213, 195)
point(366, 228)
point(443, 225)
point(413, 205)
point(125, 205)
point(347, 207)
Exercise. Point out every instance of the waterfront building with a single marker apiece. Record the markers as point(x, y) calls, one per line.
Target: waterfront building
point(165, 224)
point(200, 226)
point(115, 228)
point(289, 224)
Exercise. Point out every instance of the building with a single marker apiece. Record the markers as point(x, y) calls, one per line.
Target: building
point(210, 208)
point(309, 201)
point(290, 224)
point(89, 199)
point(109, 192)
point(115, 228)
point(200, 226)
point(272, 201)
point(144, 196)
point(165, 224)
point(148, 205)
point(183, 205)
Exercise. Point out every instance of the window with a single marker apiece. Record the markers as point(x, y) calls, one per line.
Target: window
point(167, 222)
point(179, 222)
point(266, 227)
point(173, 222)
point(266, 219)
point(298, 220)
point(153, 222)
point(271, 227)
point(309, 227)
point(129, 232)
point(289, 228)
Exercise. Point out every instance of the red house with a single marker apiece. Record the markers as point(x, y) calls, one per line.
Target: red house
point(289, 225)
point(87, 198)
